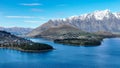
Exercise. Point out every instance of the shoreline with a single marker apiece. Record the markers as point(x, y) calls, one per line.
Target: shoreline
point(31, 51)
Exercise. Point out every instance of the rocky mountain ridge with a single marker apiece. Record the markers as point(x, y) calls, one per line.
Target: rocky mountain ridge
point(92, 22)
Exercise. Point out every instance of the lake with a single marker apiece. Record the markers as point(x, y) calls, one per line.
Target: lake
point(107, 55)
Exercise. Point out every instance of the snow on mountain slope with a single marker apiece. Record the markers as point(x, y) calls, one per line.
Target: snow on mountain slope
point(92, 22)
point(98, 15)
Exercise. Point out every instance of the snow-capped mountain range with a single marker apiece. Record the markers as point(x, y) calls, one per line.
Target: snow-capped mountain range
point(97, 15)
point(92, 22)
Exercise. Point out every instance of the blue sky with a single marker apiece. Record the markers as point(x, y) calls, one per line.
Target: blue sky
point(33, 13)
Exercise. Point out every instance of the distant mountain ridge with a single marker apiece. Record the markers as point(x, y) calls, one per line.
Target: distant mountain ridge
point(92, 22)
point(16, 30)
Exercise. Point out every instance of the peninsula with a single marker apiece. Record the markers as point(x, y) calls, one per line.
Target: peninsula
point(7, 40)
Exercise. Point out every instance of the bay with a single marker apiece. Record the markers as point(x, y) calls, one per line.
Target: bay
point(107, 55)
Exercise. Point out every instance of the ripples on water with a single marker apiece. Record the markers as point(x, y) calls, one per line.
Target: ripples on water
point(105, 56)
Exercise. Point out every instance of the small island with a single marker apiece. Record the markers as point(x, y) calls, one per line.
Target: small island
point(7, 40)
point(79, 42)
point(90, 39)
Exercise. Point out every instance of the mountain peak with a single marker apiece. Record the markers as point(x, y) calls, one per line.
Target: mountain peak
point(99, 15)
point(103, 11)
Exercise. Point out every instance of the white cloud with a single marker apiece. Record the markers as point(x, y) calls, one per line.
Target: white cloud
point(30, 21)
point(31, 4)
point(19, 17)
point(37, 10)
point(25, 17)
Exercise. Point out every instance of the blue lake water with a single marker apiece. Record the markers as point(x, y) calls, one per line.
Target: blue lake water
point(107, 55)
